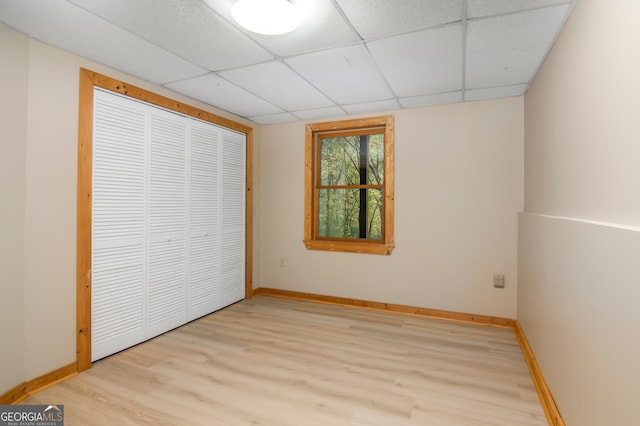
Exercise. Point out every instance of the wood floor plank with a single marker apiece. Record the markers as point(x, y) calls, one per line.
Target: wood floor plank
point(269, 361)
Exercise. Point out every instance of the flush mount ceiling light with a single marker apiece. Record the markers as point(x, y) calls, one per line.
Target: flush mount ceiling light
point(270, 17)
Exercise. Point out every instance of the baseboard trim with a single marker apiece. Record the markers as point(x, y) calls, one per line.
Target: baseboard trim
point(26, 389)
point(388, 307)
point(548, 403)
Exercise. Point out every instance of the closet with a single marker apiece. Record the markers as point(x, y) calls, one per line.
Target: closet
point(168, 220)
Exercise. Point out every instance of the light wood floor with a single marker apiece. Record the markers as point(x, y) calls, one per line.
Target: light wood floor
point(269, 361)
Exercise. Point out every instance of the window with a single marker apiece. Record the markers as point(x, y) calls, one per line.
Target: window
point(349, 186)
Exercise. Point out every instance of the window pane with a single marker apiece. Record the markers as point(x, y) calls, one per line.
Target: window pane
point(374, 214)
point(375, 168)
point(339, 213)
point(339, 161)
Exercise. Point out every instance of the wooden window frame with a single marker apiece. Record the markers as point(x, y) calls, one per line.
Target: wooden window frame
point(311, 240)
point(89, 80)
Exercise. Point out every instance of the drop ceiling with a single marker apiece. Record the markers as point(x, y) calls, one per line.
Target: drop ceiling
point(346, 57)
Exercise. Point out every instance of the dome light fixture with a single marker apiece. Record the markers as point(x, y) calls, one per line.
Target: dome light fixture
point(269, 17)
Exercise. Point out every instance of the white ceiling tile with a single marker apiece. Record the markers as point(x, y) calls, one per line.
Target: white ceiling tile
point(187, 28)
point(478, 8)
point(421, 63)
point(495, 92)
point(368, 107)
point(284, 117)
point(347, 75)
point(229, 97)
point(315, 114)
point(384, 18)
point(411, 54)
point(431, 100)
point(278, 84)
point(69, 27)
point(507, 49)
point(321, 27)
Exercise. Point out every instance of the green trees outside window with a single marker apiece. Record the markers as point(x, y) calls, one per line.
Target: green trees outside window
point(350, 183)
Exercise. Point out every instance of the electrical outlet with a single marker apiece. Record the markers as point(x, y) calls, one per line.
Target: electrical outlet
point(498, 281)
point(281, 263)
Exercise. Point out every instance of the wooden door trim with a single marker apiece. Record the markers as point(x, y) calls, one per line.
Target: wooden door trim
point(89, 80)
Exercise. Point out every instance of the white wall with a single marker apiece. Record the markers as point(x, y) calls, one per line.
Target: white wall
point(580, 238)
point(459, 187)
point(13, 126)
point(578, 305)
point(43, 130)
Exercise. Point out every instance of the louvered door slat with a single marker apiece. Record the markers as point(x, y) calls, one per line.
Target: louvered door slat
point(167, 176)
point(204, 277)
point(166, 286)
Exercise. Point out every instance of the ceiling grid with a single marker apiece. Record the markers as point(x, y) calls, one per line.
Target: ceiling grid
point(346, 57)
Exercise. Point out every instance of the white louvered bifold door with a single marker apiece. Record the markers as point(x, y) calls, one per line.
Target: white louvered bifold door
point(168, 224)
point(233, 217)
point(167, 267)
point(204, 221)
point(118, 240)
